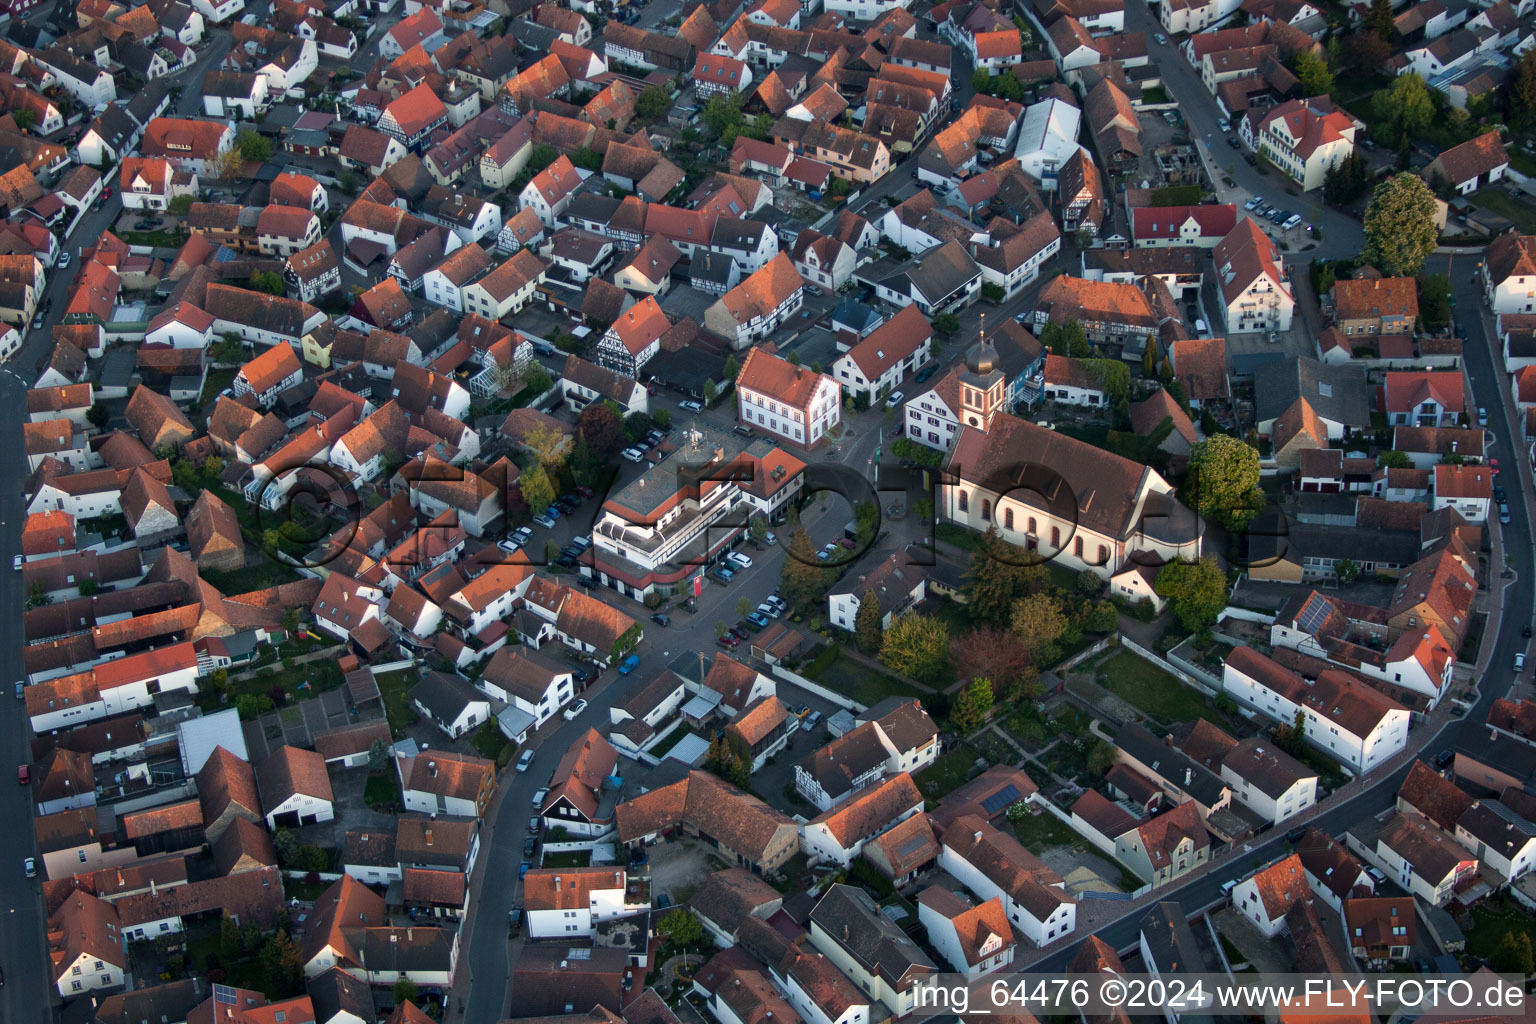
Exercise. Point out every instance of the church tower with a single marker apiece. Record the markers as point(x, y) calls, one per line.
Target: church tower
point(982, 386)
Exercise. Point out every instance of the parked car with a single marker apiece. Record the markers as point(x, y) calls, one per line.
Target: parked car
point(739, 559)
point(1504, 514)
point(743, 430)
point(777, 602)
point(544, 521)
point(727, 640)
point(662, 619)
point(64, 259)
point(29, 866)
point(629, 664)
point(573, 709)
point(508, 545)
point(524, 868)
point(21, 689)
point(654, 437)
point(757, 620)
point(721, 573)
point(23, 774)
point(812, 721)
point(522, 535)
point(1228, 886)
point(802, 710)
point(740, 632)
point(690, 405)
point(926, 372)
point(525, 759)
point(1520, 662)
point(1291, 221)
point(540, 797)
point(632, 454)
point(586, 581)
point(1482, 416)
point(16, 562)
point(1232, 141)
point(585, 491)
point(1162, 40)
point(1250, 160)
point(895, 399)
point(767, 611)
point(1252, 204)
point(1295, 835)
point(1445, 757)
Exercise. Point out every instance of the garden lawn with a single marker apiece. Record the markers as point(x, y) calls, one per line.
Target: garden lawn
point(1037, 832)
point(1154, 691)
point(1491, 919)
point(863, 684)
point(394, 687)
point(259, 576)
point(948, 773)
point(382, 790)
point(1504, 205)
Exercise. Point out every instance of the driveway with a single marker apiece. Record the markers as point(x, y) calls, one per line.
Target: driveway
point(680, 866)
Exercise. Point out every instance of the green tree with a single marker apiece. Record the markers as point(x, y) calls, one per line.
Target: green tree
point(538, 491)
point(283, 962)
point(626, 642)
point(1400, 229)
point(378, 756)
point(866, 625)
point(680, 927)
point(1312, 70)
point(732, 368)
point(971, 706)
point(1434, 301)
point(24, 118)
point(1114, 377)
point(711, 392)
point(1513, 955)
point(37, 597)
point(757, 529)
point(1394, 460)
point(180, 205)
point(1101, 758)
point(1348, 571)
point(946, 324)
point(1038, 621)
point(729, 758)
point(981, 81)
point(1224, 481)
point(1348, 181)
point(230, 948)
point(1405, 108)
point(1520, 92)
point(405, 992)
point(269, 281)
point(98, 415)
point(803, 578)
point(286, 844)
point(917, 646)
point(1100, 617)
point(652, 103)
point(1196, 591)
point(723, 117)
point(253, 148)
point(999, 574)
point(1379, 21)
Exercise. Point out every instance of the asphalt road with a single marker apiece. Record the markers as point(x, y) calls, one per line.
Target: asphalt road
point(1342, 234)
point(1490, 393)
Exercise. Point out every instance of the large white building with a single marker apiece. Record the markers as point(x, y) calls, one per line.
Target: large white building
point(792, 402)
point(1509, 274)
point(565, 903)
point(993, 865)
point(1047, 138)
point(1354, 724)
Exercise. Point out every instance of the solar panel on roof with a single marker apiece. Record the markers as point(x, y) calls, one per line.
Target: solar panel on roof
point(1002, 798)
point(1314, 615)
point(224, 994)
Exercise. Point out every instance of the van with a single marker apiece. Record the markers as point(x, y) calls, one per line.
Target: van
point(1199, 328)
point(544, 348)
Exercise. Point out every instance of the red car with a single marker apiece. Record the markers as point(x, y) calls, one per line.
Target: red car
point(23, 774)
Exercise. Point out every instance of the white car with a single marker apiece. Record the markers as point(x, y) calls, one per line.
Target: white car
point(690, 405)
point(737, 558)
point(524, 760)
point(1519, 662)
point(575, 709)
point(633, 454)
point(894, 400)
point(1253, 204)
point(16, 562)
point(508, 545)
point(1291, 221)
point(539, 797)
point(30, 867)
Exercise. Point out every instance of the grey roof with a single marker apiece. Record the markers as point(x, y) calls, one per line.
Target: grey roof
point(851, 919)
point(856, 315)
point(336, 991)
point(711, 268)
point(445, 696)
point(734, 233)
point(1170, 942)
point(1337, 393)
point(1497, 827)
point(1190, 776)
point(941, 272)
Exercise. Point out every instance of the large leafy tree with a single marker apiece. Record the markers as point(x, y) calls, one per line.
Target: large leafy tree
point(918, 646)
point(802, 579)
point(537, 490)
point(993, 652)
point(867, 630)
point(1378, 21)
point(1312, 70)
point(1195, 591)
point(1224, 481)
point(1349, 180)
point(1400, 231)
point(971, 705)
point(1038, 622)
point(1406, 108)
point(601, 429)
point(1520, 92)
point(999, 574)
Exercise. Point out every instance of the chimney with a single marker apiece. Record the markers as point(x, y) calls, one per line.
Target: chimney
point(976, 835)
point(428, 835)
point(432, 769)
point(845, 933)
point(564, 965)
